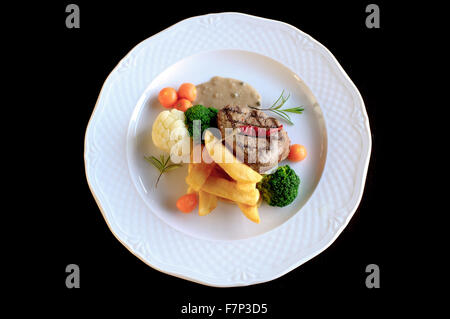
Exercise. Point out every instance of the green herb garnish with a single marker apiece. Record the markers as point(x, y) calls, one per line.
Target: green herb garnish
point(161, 165)
point(275, 108)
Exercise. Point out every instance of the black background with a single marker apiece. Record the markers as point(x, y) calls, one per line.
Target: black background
point(72, 67)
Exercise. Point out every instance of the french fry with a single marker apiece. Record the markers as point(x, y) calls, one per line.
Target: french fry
point(230, 181)
point(219, 172)
point(230, 164)
point(250, 211)
point(245, 186)
point(198, 175)
point(207, 202)
point(225, 200)
point(227, 189)
point(190, 190)
point(260, 199)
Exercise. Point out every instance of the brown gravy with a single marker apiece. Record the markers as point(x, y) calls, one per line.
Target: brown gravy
point(219, 92)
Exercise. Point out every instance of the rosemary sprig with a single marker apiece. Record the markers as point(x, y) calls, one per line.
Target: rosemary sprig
point(276, 108)
point(161, 165)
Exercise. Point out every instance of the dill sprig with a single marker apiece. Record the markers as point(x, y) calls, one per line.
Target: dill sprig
point(276, 108)
point(161, 164)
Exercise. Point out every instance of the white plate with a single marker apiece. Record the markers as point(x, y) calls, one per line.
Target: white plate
point(224, 248)
point(269, 78)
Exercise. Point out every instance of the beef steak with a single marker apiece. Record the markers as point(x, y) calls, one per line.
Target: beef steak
point(260, 152)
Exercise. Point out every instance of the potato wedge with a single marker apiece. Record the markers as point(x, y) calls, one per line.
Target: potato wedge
point(207, 202)
point(227, 189)
point(230, 164)
point(198, 175)
point(250, 211)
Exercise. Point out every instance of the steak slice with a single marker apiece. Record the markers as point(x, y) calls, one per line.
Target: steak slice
point(260, 152)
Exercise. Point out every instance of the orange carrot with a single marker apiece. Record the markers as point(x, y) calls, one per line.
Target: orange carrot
point(182, 104)
point(187, 91)
point(187, 203)
point(297, 152)
point(167, 97)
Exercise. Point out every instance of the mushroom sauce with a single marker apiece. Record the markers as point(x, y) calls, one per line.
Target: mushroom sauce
point(219, 92)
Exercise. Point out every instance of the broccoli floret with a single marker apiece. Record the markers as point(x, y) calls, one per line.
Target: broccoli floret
point(207, 116)
point(280, 188)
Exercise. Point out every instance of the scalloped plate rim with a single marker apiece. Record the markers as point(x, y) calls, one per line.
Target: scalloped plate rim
point(329, 241)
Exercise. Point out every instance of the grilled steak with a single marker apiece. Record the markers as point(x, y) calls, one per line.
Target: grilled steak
point(258, 150)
